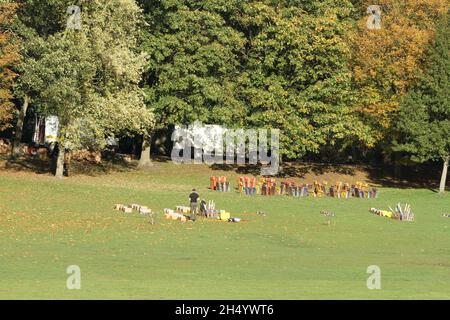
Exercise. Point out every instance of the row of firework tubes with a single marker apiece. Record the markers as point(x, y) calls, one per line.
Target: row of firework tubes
point(403, 213)
point(179, 213)
point(143, 210)
point(183, 213)
point(269, 187)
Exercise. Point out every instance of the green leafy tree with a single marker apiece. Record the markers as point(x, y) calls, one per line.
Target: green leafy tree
point(271, 64)
point(296, 75)
point(36, 20)
point(194, 61)
point(424, 118)
point(89, 77)
point(387, 61)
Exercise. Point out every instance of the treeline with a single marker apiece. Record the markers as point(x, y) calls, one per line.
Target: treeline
point(335, 86)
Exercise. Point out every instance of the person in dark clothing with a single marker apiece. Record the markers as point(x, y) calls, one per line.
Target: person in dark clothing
point(193, 197)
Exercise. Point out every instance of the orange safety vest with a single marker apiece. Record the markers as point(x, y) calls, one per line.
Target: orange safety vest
point(213, 183)
point(246, 181)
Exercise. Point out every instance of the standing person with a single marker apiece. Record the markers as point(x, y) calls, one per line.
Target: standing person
point(193, 197)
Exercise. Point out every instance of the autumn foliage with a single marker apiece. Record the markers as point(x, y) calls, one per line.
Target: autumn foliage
point(386, 62)
point(8, 57)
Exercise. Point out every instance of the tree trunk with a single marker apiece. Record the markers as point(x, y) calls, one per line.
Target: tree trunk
point(145, 160)
point(67, 163)
point(397, 166)
point(444, 175)
point(19, 127)
point(60, 162)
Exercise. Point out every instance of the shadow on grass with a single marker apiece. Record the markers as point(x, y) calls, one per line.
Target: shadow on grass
point(104, 167)
point(25, 163)
point(289, 169)
point(39, 166)
point(418, 176)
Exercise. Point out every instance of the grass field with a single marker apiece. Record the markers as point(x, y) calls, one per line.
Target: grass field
point(47, 225)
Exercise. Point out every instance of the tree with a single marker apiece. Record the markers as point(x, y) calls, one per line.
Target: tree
point(296, 76)
point(424, 117)
point(256, 64)
point(36, 20)
point(9, 56)
point(28, 83)
point(388, 61)
point(92, 76)
point(194, 61)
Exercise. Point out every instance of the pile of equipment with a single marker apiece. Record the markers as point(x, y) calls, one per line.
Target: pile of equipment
point(327, 213)
point(221, 215)
point(269, 187)
point(341, 190)
point(247, 185)
point(170, 214)
point(320, 189)
point(183, 209)
point(219, 184)
point(123, 208)
point(358, 190)
point(291, 189)
point(266, 186)
point(209, 211)
point(143, 210)
point(362, 190)
point(328, 216)
point(399, 213)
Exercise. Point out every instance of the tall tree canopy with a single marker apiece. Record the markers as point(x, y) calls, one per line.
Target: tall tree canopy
point(9, 57)
point(296, 75)
point(89, 77)
point(386, 62)
point(313, 69)
point(424, 120)
point(273, 64)
point(193, 61)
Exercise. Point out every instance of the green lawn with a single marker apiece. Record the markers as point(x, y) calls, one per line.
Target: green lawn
point(47, 225)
